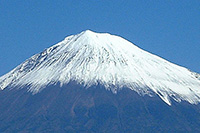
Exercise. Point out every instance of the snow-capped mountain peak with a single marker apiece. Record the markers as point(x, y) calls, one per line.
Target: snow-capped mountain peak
point(93, 58)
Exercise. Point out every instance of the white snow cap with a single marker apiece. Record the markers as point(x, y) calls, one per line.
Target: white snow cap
point(91, 58)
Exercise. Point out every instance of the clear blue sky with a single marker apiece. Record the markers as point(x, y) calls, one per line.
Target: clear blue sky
point(168, 28)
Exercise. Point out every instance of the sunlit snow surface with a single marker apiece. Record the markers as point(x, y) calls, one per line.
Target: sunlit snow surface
point(91, 58)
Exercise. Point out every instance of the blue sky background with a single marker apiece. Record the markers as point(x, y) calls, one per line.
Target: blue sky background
point(167, 28)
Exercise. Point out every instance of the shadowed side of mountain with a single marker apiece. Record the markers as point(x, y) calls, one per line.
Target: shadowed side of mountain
point(72, 108)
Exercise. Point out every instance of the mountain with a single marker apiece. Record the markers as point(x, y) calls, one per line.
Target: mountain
point(92, 58)
point(97, 82)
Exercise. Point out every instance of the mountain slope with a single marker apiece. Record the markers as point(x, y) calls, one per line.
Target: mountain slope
point(94, 58)
point(72, 108)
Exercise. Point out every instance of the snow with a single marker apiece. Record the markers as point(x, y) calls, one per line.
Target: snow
point(91, 58)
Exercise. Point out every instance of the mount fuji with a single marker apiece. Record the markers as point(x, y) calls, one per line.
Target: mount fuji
point(98, 82)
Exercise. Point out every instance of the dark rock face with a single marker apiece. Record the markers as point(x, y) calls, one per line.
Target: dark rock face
point(73, 108)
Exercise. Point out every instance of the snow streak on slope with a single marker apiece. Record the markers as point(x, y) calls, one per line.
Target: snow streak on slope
point(92, 58)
